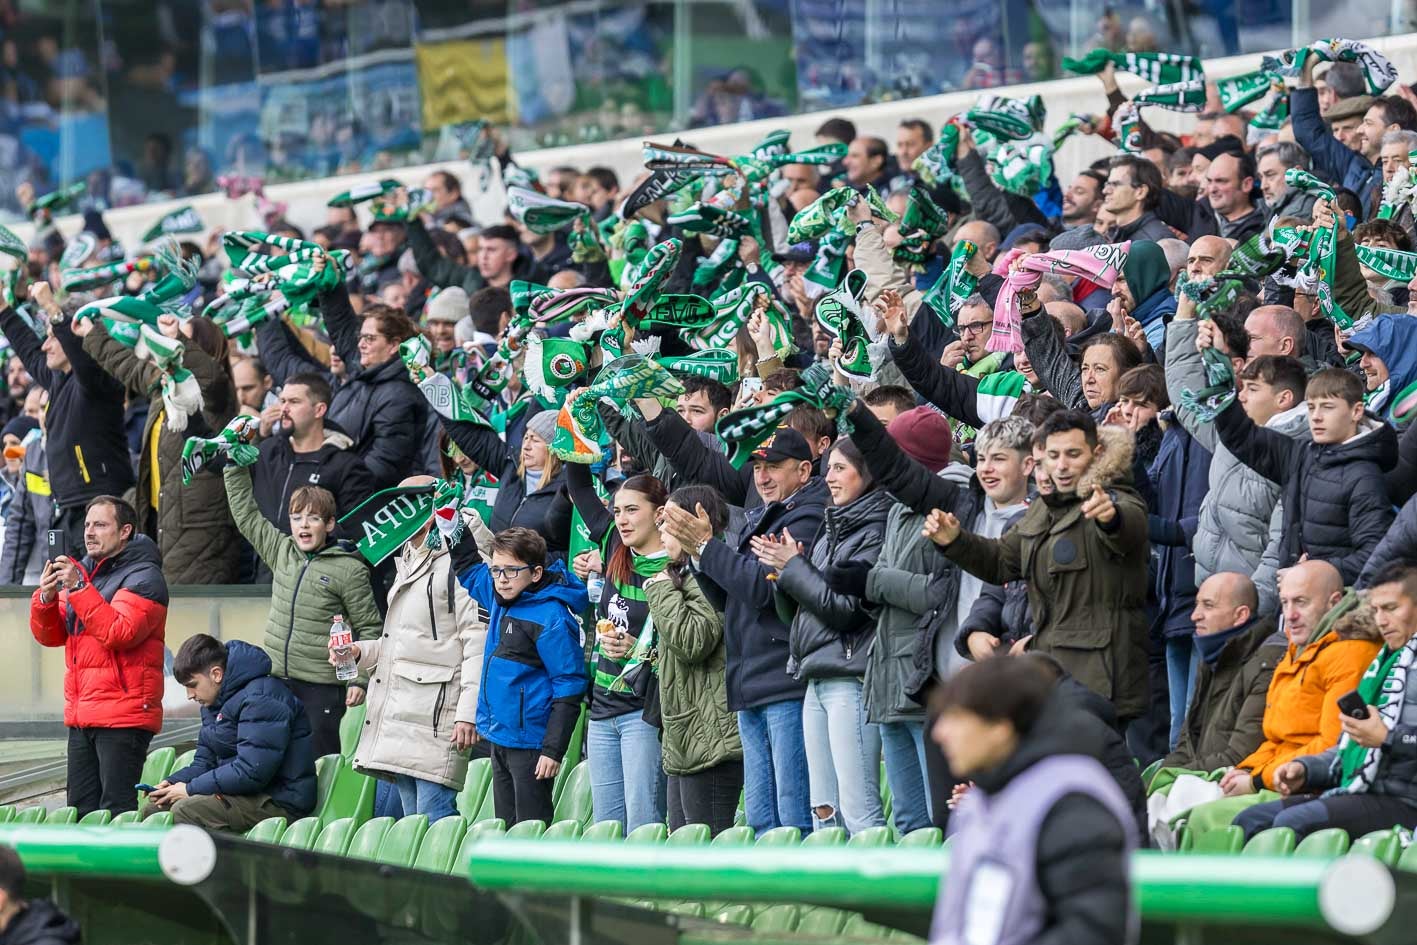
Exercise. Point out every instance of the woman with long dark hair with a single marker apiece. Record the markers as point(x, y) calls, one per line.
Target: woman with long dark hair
point(627, 780)
point(703, 755)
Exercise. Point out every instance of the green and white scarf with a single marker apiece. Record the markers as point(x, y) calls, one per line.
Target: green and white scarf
point(1211, 296)
point(44, 209)
point(364, 193)
point(389, 518)
point(552, 365)
point(1160, 68)
point(1238, 91)
point(744, 430)
point(579, 432)
point(825, 271)
point(182, 220)
point(1008, 118)
point(542, 214)
point(1317, 271)
point(956, 284)
point(1378, 71)
point(1022, 167)
point(734, 308)
point(921, 224)
point(1176, 97)
point(820, 216)
point(935, 166)
point(1389, 263)
point(447, 398)
point(714, 364)
point(1382, 686)
point(236, 442)
point(841, 312)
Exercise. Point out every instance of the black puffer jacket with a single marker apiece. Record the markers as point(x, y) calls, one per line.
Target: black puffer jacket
point(1098, 720)
point(1336, 506)
point(41, 923)
point(85, 442)
point(514, 506)
point(334, 466)
point(380, 409)
point(831, 631)
point(736, 583)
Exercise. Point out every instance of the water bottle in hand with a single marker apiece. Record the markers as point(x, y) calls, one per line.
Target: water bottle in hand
point(342, 646)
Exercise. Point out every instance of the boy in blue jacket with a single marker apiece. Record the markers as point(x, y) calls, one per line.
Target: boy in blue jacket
point(254, 757)
point(533, 671)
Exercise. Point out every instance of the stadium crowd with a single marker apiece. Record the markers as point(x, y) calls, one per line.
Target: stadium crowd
point(778, 463)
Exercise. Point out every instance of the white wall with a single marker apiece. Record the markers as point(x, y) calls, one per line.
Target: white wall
point(1063, 97)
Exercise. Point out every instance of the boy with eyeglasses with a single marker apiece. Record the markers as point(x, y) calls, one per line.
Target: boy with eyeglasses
point(533, 671)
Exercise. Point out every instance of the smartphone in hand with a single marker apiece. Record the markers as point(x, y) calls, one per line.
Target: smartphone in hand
point(58, 543)
point(1353, 705)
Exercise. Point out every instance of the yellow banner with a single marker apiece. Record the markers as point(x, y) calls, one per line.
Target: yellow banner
point(463, 80)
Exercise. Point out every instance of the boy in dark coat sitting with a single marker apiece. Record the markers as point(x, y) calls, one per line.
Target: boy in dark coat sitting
point(254, 758)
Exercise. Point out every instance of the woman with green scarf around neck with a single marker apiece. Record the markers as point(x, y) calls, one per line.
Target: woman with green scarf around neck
point(626, 776)
point(703, 753)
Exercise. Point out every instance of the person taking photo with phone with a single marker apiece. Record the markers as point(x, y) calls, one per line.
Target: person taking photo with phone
point(1368, 781)
point(108, 609)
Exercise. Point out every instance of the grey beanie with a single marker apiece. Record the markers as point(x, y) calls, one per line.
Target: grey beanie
point(543, 425)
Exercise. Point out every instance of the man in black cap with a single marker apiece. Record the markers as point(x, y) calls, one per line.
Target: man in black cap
point(768, 701)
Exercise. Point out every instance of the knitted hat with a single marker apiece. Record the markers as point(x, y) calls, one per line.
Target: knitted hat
point(449, 305)
point(19, 426)
point(923, 434)
point(543, 425)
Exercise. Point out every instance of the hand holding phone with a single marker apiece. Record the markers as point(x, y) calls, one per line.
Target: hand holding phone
point(57, 543)
point(145, 788)
point(1353, 705)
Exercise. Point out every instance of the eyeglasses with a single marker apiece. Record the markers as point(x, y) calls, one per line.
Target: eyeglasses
point(1117, 183)
point(370, 338)
point(975, 328)
point(509, 573)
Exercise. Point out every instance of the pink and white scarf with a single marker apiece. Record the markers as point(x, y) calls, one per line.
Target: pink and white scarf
point(1100, 264)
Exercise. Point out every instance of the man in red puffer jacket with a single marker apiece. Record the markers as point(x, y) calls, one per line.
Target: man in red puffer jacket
point(109, 612)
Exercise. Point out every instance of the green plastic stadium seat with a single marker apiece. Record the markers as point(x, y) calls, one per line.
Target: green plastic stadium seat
point(871, 837)
point(1385, 846)
point(734, 915)
point(63, 815)
point(564, 830)
point(779, 918)
point(157, 766)
point(781, 837)
point(159, 821)
point(400, 843)
point(690, 835)
point(440, 845)
point(1276, 841)
point(268, 830)
point(826, 837)
point(1324, 844)
point(349, 728)
point(7, 813)
point(574, 802)
point(1149, 772)
point(1408, 861)
point(857, 927)
point(1184, 839)
point(301, 834)
point(334, 839)
point(350, 794)
point(184, 759)
point(527, 830)
point(474, 787)
point(923, 837)
point(822, 921)
point(604, 831)
point(734, 837)
point(648, 833)
point(364, 845)
point(1225, 840)
point(127, 817)
point(570, 761)
point(495, 827)
point(95, 818)
point(31, 815)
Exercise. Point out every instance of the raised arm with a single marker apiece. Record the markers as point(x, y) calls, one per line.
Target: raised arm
point(479, 443)
point(265, 538)
point(26, 345)
point(693, 460)
point(1186, 371)
point(597, 518)
point(342, 325)
point(433, 265)
point(95, 381)
point(951, 391)
point(1046, 349)
point(120, 362)
point(282, 354)
point(910, 483)
point(1268, 453)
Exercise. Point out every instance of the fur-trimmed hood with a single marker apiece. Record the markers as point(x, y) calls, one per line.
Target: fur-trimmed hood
point(1113, 466)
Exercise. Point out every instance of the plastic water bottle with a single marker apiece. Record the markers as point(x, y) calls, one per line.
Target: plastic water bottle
point(342, 646)
point(594, 585)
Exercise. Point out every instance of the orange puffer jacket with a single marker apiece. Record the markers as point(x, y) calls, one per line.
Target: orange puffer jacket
point(1301, 707)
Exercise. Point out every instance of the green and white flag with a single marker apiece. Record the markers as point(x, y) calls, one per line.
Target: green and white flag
point(553, 364)
point(182, 220)
point(1161, 68)
point(542, 214)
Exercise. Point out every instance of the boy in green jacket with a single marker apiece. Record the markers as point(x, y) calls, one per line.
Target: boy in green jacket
point(313, 579)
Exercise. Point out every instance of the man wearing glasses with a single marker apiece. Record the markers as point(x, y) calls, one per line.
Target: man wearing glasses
point(969, 354)
point(1131, 195)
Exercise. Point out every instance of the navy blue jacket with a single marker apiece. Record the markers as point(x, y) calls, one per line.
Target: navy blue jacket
point(1332, 159)
point(533, 671)
point(1180, 476)
point(738, 586)
point(255, 739)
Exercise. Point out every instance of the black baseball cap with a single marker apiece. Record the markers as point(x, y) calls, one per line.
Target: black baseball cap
point(785, 443)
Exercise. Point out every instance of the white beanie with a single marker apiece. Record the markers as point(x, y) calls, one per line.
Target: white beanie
point(449, 305)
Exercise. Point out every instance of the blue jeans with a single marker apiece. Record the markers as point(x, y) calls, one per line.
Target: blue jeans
point(1307, 813)
point(426, 797)
point(774, 767)
point(903, 744)
point(843, 755)
point(1182, 658)
point(626, 772)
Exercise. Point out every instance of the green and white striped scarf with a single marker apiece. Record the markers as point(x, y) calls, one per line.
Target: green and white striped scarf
point(1211, 296)
point(1176, 97)
point(236, 441)
point(955, 285)
point(1378, 71)
point(580, 435)
point(842, 313)
point(745, 429)
point(1161, 68)
point(1238, 91)
point(1008, 118)
point(1389, 263)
